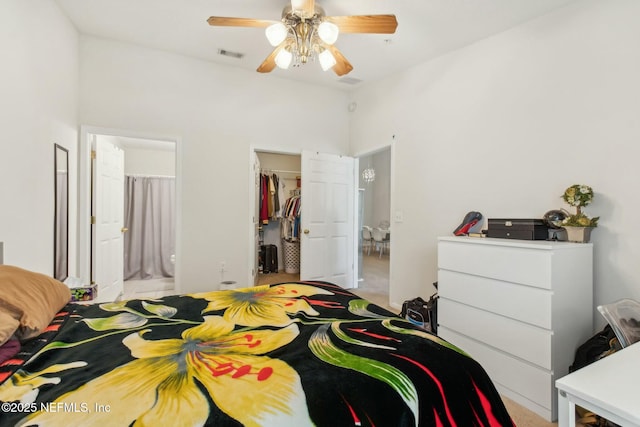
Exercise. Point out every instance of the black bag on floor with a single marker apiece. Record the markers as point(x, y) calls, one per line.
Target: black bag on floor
point(422, 313)
point(595, 348)
point(274, 259)
point(269, 257)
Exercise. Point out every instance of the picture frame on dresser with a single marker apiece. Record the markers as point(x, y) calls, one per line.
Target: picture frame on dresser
point(519, 307)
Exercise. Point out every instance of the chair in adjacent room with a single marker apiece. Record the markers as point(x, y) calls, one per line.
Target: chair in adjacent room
point(367, 239)
point(384, 226)
point(379, 237)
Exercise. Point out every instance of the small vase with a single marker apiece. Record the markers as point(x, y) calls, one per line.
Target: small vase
point(578, 234)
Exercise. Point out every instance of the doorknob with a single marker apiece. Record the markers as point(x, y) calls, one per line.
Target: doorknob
point(124, 229)
point(306, 231)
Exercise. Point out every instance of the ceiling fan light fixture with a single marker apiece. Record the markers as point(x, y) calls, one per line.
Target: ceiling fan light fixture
point(328, 32)
point(305, 32)
point(299, 5)
point(327, 60)
point(276, 33)
point(283, 59)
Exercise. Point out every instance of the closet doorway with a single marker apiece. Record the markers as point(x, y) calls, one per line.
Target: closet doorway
point(278, 206)
point(328, 237)
point(374, 218)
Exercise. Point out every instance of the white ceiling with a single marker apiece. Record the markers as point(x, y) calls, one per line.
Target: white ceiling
point(426, 29)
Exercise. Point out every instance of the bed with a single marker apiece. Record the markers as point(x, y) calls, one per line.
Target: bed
point(289, 354)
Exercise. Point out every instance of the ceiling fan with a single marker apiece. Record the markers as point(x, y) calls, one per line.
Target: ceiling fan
point(305, 32)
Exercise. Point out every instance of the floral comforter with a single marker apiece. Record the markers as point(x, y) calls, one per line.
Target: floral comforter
point(292, 354)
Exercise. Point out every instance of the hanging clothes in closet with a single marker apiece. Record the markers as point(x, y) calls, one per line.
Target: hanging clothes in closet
point(264, 201)
point(271, 194)
point(274, 206)
point(291, 218)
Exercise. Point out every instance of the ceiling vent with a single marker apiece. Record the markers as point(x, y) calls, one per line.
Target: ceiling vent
point(236, 55)
point(350, 80)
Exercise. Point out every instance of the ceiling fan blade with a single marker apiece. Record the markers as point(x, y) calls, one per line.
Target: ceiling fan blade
point(343, 66)
point(378, 24)
point(221, 21)
point(269, 63)
point(305, 7)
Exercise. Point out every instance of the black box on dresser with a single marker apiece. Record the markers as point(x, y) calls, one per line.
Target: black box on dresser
point(521, 229)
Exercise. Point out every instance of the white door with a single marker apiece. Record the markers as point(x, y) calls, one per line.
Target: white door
point(327, 243)
point(108, 211)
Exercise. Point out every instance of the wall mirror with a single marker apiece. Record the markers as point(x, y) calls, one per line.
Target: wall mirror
point(61, 213)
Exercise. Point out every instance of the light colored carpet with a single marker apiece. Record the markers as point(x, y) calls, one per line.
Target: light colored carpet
point(375, 273)
point(522, 417)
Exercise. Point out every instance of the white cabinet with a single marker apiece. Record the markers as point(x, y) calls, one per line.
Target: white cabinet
point(520, 308)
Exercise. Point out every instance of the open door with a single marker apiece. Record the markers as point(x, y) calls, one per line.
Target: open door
point(328, 241)
point(108, 220)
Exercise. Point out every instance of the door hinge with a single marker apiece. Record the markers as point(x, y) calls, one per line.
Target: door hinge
point(93, 219)
point(93, 154)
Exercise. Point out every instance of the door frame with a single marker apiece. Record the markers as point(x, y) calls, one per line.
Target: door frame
point(391, 146)
point(255, 148)
point(84, 194)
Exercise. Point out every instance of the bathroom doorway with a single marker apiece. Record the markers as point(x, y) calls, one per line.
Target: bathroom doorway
point(139, 155)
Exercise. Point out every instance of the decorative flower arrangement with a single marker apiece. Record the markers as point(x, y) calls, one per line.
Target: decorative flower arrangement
point(579, 196)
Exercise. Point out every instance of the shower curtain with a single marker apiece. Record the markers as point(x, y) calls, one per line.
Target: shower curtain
point(149, 214)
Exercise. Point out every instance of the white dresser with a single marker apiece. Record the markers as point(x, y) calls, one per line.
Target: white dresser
point(520, 308)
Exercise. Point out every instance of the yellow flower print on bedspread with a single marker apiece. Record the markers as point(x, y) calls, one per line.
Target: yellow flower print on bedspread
point(24, 386)
point(262, 305)
point(163, 382)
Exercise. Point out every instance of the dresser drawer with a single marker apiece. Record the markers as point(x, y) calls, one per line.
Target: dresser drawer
point(524, 303)
point(523, 265)
point(531, 382)
point(522, 340)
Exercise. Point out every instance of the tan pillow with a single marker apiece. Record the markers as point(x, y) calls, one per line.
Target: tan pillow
point(33, 297)
point(8, 325)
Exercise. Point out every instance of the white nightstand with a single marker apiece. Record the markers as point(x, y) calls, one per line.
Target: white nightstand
point(608, 387)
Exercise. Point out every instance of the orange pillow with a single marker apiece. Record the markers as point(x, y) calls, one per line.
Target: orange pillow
point(32, 298)
point(8, 326)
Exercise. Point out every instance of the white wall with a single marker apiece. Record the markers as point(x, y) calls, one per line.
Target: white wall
point(38, 107)
point(505, 125)
point(143, 161)
point(502, 126)
point(219, 113)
